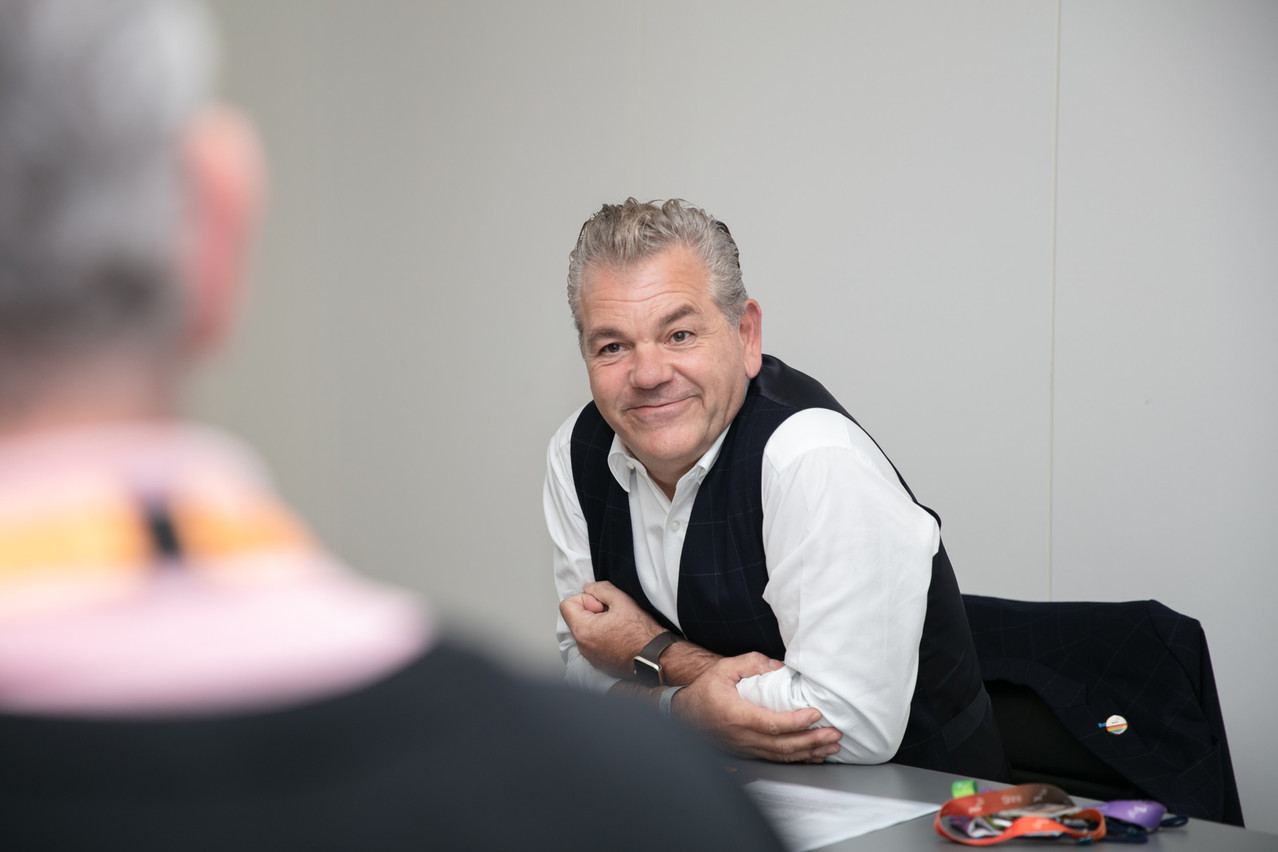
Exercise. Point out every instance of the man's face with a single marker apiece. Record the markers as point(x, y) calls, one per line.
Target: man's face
point(667, 370)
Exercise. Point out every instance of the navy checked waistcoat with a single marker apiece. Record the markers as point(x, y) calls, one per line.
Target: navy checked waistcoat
point(723, 572)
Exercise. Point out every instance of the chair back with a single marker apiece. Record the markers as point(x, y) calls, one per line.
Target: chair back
point(1058, 671)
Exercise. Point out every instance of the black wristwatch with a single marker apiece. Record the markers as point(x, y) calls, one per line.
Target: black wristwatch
point(647, 668)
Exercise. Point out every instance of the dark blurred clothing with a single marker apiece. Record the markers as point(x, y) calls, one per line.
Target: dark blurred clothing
point(182, 666)
point(449, 753)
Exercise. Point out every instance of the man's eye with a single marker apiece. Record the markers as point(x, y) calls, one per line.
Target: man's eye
point(610, 349)
point(681, 337)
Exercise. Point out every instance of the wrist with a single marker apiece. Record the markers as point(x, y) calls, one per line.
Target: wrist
point(647, 663)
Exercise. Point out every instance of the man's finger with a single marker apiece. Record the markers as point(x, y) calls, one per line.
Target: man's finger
point(772, 723)
point(814, 745)
point(574, 607)
point(788, 722)
point(747, 665)
point(787, 737)
point(606, 593)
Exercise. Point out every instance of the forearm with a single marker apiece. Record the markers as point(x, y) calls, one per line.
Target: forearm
point(872, 725)
point(681, 663)
point(854, 657)
point(712, 703)
point(684, 661)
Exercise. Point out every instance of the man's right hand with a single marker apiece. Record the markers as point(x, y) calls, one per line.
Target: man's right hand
point(711, 703)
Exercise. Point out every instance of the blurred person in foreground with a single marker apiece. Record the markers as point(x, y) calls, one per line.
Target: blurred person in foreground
point(182, 665)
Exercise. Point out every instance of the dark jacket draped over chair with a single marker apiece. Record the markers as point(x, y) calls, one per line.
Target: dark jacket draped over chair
point(1090, 661)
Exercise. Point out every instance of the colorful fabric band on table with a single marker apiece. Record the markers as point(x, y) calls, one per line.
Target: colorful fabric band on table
point(1132, 820)
point(1044, 811)
point(1027, 810)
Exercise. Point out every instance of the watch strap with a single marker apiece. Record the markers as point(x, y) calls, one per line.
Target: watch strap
point(647, 665)
point(665, 702)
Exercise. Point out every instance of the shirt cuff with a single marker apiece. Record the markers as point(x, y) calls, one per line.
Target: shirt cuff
point(579, 673)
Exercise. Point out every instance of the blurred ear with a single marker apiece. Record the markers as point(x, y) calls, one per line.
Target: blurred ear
point(224, 168)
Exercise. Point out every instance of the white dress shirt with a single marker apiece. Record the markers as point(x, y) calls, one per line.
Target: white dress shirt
point(849, 558)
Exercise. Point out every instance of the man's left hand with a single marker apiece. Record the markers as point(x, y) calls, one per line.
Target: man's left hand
point(713, 704)
point(609, 627)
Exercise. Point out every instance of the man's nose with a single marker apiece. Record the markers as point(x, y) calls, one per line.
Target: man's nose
point(650, 367)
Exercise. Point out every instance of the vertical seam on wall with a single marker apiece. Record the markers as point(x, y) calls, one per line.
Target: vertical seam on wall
point(640, 188)
point(1051, 361)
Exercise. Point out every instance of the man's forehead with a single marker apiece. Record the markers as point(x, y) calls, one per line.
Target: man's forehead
point(655, 306)
point(675, 268)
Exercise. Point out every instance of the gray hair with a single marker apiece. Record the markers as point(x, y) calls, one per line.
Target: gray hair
point(93, 97)
point(623, 234)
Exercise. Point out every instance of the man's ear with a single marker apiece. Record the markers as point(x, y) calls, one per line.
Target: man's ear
point(223, 163)
point(751, 330)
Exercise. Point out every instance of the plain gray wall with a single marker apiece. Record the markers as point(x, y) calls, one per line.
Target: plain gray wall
point(1030, 245)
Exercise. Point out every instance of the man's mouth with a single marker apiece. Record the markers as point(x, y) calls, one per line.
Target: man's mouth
point(655, 407)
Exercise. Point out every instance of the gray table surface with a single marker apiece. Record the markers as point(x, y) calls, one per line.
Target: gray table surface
point(924, 785)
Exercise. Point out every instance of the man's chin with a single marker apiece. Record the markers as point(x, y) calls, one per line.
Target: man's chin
point(663, 455)
point(657, 439)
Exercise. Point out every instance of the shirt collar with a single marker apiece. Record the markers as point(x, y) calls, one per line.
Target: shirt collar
point(622, 463)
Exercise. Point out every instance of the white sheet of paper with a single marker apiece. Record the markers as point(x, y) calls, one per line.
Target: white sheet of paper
point(811, 817)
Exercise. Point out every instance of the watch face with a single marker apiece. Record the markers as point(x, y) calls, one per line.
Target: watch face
point(647, 672)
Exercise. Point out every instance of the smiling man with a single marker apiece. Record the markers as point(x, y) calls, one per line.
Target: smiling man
point(729, 544)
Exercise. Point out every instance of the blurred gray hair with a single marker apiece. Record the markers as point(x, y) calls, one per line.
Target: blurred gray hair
point(632, 232)
point(93, 98)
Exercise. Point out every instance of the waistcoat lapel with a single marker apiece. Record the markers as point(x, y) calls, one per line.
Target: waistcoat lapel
point(606, 507)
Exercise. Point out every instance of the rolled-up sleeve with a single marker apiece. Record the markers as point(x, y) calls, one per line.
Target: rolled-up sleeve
point(571, 553)
point(849, 557)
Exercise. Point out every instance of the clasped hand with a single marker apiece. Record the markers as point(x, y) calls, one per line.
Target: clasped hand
point(713, 704)
point(610, 629)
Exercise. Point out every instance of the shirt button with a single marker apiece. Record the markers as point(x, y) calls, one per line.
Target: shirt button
point(674, 526)
point(630, 465)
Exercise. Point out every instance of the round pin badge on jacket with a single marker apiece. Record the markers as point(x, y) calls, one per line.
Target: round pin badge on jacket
point(1114, 725)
